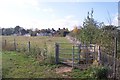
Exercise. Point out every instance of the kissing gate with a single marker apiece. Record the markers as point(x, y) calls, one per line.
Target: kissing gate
point(76, 55)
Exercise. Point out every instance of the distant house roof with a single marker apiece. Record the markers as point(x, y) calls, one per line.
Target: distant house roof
point(27, 35)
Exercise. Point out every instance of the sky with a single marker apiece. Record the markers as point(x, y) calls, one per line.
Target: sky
point(54, 14)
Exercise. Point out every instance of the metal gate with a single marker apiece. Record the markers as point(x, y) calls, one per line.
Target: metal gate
point(75, 55)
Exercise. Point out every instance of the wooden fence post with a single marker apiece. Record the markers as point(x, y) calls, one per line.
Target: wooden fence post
point(73, 56)
point(56, 53)
point(5, 42)
point(94, 57)
point(99, 55)
point(115, 56)
point(86, 53)
point(29, 46)
point(79, 50)
point(14, 44)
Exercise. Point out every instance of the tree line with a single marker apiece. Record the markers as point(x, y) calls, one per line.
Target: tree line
point(44, 32)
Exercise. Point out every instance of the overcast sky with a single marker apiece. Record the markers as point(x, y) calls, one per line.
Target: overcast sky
point(43, 14)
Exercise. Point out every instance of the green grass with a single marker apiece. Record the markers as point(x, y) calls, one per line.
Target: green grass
point(41, 42)
point(38, 44)
point(18, 65)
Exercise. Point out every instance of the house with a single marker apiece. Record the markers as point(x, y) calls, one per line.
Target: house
point(44, 34)
point(27, 35)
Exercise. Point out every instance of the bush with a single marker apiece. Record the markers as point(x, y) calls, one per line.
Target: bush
point(92, 73)
point(101, 73)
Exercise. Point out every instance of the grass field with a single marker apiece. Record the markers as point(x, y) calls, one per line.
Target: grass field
point(38, 44)
point(23, 64)
point(22, 41)
point(19, 65)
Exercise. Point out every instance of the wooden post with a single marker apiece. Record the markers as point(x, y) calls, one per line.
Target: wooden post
point(56, 53)
point(115, 56)
point(79, 50)
point(86, 54)
point(5, 42)
point(29, 46)
point(14, 44)
point(73, 56)
point(99, 55)
point(94, 57)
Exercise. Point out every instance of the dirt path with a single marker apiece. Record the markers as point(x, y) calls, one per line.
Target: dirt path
point(73, 40)
point(62, 70)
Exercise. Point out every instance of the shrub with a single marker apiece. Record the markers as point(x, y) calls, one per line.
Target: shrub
point(92, 73)
point(101, 73)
